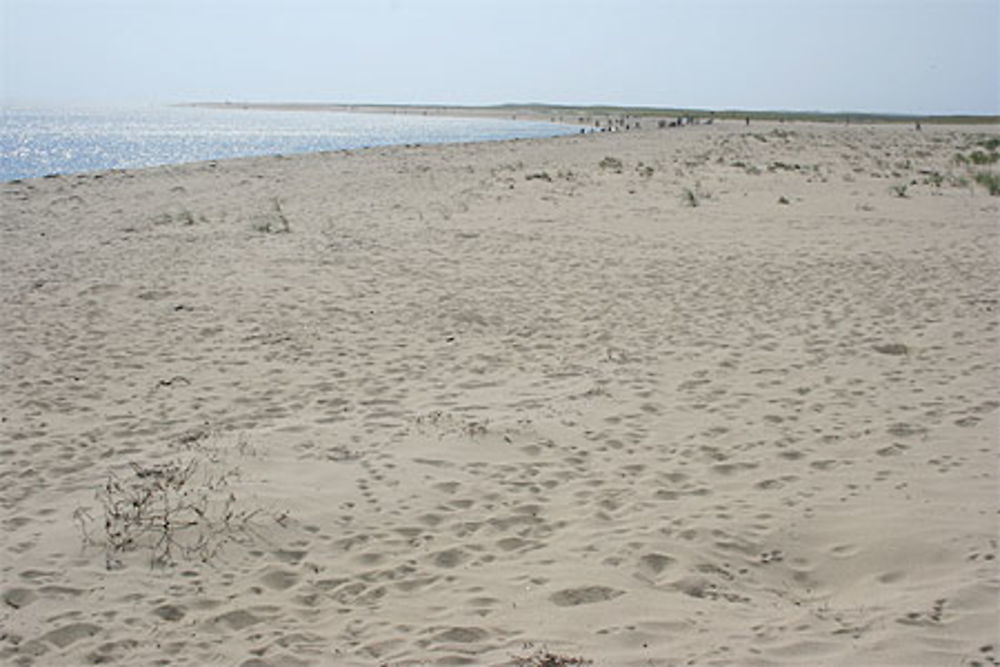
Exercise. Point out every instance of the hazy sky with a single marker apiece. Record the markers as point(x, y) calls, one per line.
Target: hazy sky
point(920, 56)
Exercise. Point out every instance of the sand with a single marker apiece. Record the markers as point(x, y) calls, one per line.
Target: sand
point(469, 404)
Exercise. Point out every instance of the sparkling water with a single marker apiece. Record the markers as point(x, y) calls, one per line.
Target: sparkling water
point(37, 142)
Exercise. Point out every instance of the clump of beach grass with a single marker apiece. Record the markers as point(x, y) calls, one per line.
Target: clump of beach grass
point(782, 166)
point(548, 659)
point(539, 176)
point(990, 181)
point(644, 170)
point(934, 178)
point(611, 164)
point(273, 221)
point(991, 144)
point(981, 157)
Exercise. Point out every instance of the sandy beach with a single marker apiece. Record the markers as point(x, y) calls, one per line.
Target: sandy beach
point(714, 395)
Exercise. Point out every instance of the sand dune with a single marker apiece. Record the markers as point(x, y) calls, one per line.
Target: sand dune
point(732, 401)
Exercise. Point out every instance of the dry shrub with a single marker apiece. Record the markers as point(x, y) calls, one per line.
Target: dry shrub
point(184, 509)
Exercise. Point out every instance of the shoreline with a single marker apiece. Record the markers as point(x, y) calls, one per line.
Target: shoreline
point(719, 394)
point(588, 119)
point(586, 114)
point(43, 159)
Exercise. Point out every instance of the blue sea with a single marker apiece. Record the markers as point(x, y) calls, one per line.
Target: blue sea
point(38, 142)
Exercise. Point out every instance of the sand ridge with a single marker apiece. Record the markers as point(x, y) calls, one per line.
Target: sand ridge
point(727, 398)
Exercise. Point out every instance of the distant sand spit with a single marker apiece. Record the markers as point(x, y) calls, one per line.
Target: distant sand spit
point(729, 397)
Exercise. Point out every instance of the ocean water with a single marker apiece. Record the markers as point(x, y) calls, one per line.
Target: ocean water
point(37, 142)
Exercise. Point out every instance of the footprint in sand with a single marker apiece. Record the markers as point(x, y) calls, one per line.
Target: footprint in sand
point(279, 580)
point(450, 558)
point(238, 619)
point(461, 635)
point(170, 612)
point(652, 566)
point(18, 598)
point(67, 634)
point(572, 597)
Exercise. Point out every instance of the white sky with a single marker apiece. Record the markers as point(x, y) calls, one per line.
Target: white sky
point(916, 56)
